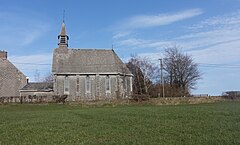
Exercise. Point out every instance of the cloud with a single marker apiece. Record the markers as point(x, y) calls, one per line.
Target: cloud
point(225, 53)
point(142, 43)
point(212, 32)
point(134, 42)
point(33, 34)
point(209, 41)
point(121, 34)
point(217, 39)
point(37, 58)
point(145, 21)
point(232, 19)
point(20, 29)
point(30, 64)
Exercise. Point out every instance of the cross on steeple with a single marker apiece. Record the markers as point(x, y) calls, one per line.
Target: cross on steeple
point(63, 16)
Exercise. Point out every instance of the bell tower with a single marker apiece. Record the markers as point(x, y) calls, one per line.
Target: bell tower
point(62, 37)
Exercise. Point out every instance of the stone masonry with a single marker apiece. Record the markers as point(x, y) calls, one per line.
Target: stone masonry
point(11, 79)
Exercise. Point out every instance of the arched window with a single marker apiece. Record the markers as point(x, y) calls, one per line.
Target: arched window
point(78, 84)
point(108, 83)
point(88, 84)
point(66, 84)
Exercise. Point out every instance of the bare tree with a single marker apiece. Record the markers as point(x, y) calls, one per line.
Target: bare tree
point(149, 71)
point(37, 76)
point(48, 78)
point(182, 72)
point(134, 67)
point(144, 73)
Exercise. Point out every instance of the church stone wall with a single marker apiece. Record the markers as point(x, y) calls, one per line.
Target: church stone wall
point(119, 87)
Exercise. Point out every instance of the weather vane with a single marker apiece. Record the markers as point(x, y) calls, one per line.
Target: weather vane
point(63, 16)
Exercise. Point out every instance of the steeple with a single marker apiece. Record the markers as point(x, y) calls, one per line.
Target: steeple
point(62, 37)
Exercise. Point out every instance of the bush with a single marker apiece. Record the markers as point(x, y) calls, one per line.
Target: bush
point(60, 98)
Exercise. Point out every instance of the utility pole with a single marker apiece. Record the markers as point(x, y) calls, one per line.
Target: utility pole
point(162, 81)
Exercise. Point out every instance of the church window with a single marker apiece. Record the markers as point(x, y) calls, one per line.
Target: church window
point(131, 88)
point(78, 88)
point(66, 84)
point(107, 83)
point(125, 83)
point(88, 84)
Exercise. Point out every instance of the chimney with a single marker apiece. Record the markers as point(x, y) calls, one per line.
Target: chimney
point(3, 54)
point(27, 79)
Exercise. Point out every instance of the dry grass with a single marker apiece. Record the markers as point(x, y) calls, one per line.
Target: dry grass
point(185, 100)
point(152, 101)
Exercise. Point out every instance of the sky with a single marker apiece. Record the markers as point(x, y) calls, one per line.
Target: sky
point(209, 31)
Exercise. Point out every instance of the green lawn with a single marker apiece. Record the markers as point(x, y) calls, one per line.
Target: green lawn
point(217, 123)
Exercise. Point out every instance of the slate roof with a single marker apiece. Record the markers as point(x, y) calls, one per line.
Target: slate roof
point(87, 61)
point(63, 30)
point(11, 79)
point(7, 68)
point(39, 87)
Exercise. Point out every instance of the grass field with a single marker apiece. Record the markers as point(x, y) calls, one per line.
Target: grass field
point(217, 123)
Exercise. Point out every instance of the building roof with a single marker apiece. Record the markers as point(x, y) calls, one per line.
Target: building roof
point(39, 87)
point(96, 61)
point(63, 30)
point(7, 68)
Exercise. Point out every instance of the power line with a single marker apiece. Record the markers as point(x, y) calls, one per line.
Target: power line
point(219, 65)
point(31, 63)
point(209, 65)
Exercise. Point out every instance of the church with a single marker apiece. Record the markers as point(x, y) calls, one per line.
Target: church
point(88, 74)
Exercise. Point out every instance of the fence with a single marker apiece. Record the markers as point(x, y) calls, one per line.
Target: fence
point(13, 99)
point(33, 99)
